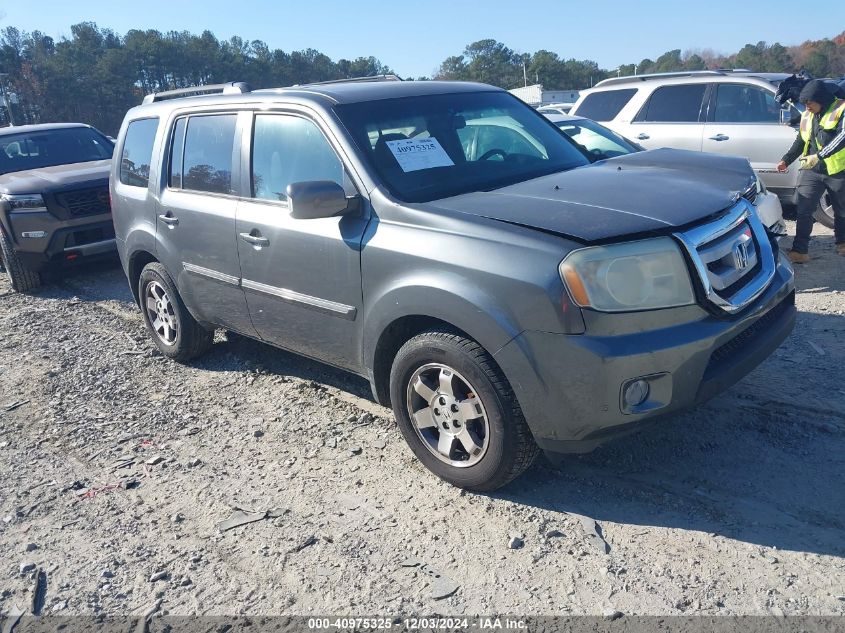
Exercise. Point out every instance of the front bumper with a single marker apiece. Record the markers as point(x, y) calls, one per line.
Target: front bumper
point(768, 208)
point(570, 387)
point(42, 240)
point(770, 212)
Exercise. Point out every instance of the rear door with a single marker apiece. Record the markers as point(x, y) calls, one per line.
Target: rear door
point(672, 116)
point(744, 120)
point(196, 218)
point(302, 278)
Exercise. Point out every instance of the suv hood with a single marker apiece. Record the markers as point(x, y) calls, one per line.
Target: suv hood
point(47, 179)
point(645, 192)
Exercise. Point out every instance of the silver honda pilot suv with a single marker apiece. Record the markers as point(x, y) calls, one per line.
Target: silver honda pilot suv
point(500, 291)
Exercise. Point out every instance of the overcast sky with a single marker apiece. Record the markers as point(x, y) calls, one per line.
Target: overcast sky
point(414, 37)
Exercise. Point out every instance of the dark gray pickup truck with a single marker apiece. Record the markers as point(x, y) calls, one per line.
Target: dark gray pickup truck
point(54, 198)
point(501, 291)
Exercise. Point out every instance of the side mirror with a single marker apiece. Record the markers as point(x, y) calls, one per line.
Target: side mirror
point(316, 199)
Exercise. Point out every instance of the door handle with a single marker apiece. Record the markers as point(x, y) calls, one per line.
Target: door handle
point(719, 137)
point(169, 220)
point(642, 136)
point(255, 240)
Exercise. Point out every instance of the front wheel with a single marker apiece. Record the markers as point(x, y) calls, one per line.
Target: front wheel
point(458, 413)
point(824, 214)
point(175, 332)
point(20, 277)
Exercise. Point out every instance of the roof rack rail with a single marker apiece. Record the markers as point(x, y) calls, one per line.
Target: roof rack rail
point(232, 87)
point(630, 78)
point(390, 77)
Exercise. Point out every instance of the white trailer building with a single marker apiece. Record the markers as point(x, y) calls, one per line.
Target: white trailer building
point(536, 96)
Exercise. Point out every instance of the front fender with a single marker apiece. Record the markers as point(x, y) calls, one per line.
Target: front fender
point(446, 297)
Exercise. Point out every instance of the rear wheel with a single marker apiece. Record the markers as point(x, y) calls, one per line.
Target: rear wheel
point(458, 413)
point(824, 214)
point(20, 277)
point(175, 332)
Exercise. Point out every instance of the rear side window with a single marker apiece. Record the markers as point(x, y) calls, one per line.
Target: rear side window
point(207, 161)
point(137, 152)
point(287, 149)
point(674, 104)
point(604, 106)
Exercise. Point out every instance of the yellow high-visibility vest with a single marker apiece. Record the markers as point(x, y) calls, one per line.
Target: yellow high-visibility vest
point(828, 122)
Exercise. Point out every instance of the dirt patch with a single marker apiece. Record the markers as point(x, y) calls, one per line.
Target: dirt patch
point(120, 470)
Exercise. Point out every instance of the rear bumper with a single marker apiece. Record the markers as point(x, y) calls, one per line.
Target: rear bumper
point(41, 240)
point(570, 387)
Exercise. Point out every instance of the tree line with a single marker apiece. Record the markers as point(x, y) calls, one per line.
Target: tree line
point(95, 75)
point(490, 61)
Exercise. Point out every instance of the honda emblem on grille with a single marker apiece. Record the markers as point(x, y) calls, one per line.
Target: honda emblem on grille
point(741, 254)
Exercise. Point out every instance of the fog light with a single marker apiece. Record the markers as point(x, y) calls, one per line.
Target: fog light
point(635, 393)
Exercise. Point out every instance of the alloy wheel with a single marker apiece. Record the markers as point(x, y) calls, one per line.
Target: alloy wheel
point(447, 415)
point(160, 313)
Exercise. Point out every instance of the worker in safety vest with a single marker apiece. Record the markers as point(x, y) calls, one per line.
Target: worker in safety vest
point(820, 148)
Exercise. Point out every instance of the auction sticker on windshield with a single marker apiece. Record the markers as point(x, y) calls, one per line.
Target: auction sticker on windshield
point(415, 154)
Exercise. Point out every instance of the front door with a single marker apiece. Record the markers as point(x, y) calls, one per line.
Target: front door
point(302, 278)
point(744, 120)
point(196, 220)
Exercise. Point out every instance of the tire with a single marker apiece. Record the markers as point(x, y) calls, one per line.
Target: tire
point(174, 331)
point(824, 214)
point(21, 278)
point(446, 381)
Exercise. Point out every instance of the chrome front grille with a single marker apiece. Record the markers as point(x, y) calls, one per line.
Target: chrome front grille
point(751, 193)
point(732, 257)
point(729, 258)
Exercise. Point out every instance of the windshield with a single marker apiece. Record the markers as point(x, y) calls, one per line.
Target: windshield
point(431, 147)
point(46, 148)
point(596, 139)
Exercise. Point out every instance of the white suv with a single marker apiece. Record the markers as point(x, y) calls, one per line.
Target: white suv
point(724, 112)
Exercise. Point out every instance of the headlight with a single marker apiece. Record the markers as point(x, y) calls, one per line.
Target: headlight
point(26, 203)
point(626, 277)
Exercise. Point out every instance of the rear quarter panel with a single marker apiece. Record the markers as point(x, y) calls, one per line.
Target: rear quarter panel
point(133, 208)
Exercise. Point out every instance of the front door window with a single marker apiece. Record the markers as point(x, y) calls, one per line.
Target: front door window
point(741, 103)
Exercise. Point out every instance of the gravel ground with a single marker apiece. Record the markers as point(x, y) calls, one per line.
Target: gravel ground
point(118, 465)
